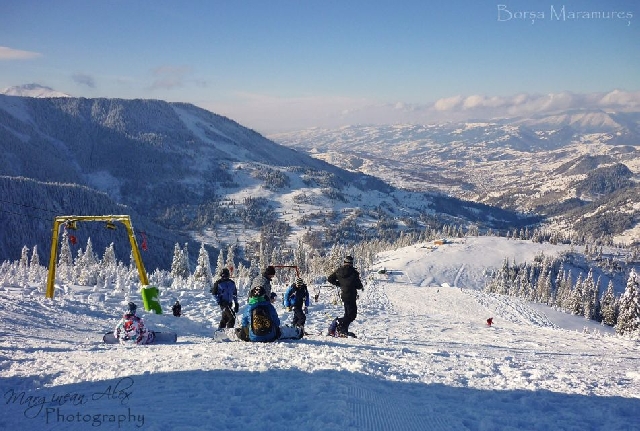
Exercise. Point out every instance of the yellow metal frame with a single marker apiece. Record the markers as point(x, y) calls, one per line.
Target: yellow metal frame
point(124, 219)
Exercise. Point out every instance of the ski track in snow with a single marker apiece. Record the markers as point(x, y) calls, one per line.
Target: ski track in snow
point(424, 359)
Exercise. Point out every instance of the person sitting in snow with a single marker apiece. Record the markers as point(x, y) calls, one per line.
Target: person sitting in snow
point(176, 309)
point(348, 279)
point(131, 330)
point(226, 295)
point(296, 298)
point(260, 321)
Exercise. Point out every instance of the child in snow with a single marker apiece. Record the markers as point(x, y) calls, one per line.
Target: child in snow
point(260, 321)
point(176, 309)
point(131, 329)
point(296, 298)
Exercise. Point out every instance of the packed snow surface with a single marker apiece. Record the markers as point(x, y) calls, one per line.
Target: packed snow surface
point(424, 359)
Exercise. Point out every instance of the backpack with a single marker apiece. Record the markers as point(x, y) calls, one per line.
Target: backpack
point(261, 323)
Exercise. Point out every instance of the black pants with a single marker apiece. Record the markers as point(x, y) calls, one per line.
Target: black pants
point(299, 318)
point(350, 314)
point(228, 319)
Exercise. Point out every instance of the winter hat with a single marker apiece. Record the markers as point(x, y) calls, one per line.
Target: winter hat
point(348, 260)
point(132, 308)
point(271, 270)
point(299, 282)
point(225, 272)
point(257, 291)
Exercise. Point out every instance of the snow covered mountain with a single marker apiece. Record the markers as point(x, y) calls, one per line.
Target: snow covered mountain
point(32, 90)
point(424, 358)
point(185, 170)
point(569, 165)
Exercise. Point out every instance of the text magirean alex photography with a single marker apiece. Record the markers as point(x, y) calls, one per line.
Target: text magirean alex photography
point(74, 408)
point(561, 13)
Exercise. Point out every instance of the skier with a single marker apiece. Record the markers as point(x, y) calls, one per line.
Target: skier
point(260, 321)
point(264, 281)
point(131, 329)
point(348, 279)
point(226, 295)
point(296, 298)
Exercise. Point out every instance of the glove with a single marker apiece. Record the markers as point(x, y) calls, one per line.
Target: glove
point(289, 308)
point(235, 308)
point(304, 310)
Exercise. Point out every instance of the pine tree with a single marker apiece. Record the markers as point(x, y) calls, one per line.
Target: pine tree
point(35, 269)
point(179, 270)
point(609, 306)
point(629, 310)
point(23, 266)
point(65, 260)
point(220, 262)
point(576, 304)
point(231, 257)
point(202, 275)
point(589, 293)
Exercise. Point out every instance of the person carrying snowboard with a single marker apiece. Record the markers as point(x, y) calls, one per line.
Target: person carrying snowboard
point(225, 293)
point(260, 321)
point(296, 298)
point(131, 330)
point(347, 278)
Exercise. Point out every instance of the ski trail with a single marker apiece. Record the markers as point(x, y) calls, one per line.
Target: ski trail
point(510, 309)
point(458, 274)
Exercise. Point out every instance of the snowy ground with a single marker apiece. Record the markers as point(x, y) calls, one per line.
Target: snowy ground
point(424, 360)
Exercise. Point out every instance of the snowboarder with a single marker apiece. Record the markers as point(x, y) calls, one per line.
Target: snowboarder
point(348, 279)
point(296, 298)
point(176, 309)
point(226, 295)
point(131, 330)
point(260, 321)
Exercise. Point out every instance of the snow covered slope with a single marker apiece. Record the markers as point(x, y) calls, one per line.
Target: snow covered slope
point(424, 360)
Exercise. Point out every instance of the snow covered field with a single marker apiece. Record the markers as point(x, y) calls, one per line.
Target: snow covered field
point(424, 360)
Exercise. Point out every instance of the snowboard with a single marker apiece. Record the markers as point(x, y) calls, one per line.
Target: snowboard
point(229, 334)
point(160, 338)
point(349, 334)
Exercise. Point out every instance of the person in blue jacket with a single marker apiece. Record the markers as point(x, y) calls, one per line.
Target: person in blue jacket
point(296, 298)
point(260, 321)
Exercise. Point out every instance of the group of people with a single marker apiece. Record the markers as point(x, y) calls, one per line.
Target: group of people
point(260, 320)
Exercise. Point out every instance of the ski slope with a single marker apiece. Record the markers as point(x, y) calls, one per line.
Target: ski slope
point(424, 359)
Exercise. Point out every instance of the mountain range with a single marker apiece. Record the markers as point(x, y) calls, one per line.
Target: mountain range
point(187, 174)
point(578, 169)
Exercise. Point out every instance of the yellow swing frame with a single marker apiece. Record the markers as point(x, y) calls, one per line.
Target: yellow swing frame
point(71, 221)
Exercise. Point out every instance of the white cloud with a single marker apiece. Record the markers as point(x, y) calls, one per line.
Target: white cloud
point(84, 79)
point(7, 53)
point(448, 103)
point(169, 77)
point(270, 114)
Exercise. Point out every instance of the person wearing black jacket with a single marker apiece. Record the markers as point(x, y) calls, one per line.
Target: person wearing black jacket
point(348, 279)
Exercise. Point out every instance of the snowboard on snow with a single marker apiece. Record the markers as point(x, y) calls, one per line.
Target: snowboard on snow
point(160, 338)
point(349, 334)
point(229, 334)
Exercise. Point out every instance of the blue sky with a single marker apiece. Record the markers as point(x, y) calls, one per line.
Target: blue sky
point(277, 65)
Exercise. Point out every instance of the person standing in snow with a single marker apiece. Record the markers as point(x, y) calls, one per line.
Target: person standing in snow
point(226, 295)
point(296, 298)
point(260, 321)
point(347, 278)
point(131, 330)
point(264, 281)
